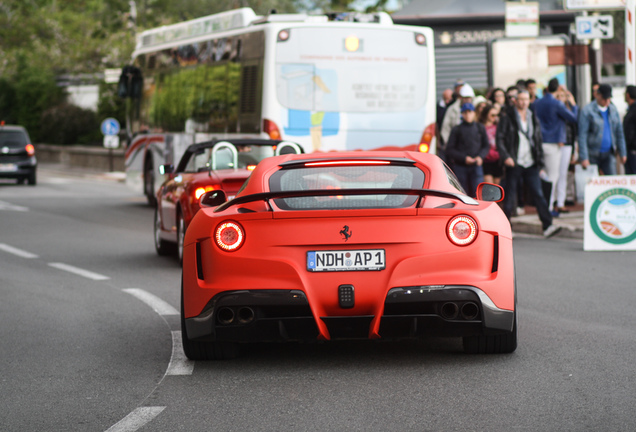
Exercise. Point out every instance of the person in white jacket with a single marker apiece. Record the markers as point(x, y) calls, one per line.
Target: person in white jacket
point(453, 117)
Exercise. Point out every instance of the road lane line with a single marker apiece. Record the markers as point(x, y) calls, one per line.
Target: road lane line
point(79, 271)
point(8, 206)
point(136, 419)
point(16, 251)
point(157, 304)
point(179, 363)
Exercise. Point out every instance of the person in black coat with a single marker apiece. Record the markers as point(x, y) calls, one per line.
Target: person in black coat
point(629, 129)
point(466, 149)
point(519, 143)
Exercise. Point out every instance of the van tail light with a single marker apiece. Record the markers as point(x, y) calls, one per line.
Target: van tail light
point(229, 236)
point(271, 129)
point(427, 138)
point(462, 230)
point(30, 149)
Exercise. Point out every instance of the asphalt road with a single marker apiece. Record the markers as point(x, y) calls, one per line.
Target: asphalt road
point(89, 337)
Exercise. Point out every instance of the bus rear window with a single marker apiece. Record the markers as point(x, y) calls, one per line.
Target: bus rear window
point(351, 70)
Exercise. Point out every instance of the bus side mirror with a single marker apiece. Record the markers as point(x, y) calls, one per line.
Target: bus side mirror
point(490, 192)
point(213, 198)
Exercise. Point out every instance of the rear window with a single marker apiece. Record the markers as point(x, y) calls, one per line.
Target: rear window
point(347, 177)
point(13, 139)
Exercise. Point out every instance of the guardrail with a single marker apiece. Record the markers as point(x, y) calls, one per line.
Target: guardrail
point(93, 157)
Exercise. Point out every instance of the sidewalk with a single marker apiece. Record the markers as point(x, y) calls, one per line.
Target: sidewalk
point(571, 223)
point(60, 170)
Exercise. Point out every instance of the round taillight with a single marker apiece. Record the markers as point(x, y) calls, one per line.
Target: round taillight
point(229, 236)
point(462, 230)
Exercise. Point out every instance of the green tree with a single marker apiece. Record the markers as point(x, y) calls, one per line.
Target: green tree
point(35, 91)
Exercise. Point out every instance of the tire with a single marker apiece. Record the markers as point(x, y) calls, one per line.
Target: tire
point(504, 343)
point(149, 182)
point(180, 236)
point(32, 179)
point(195, 350)
point(162, 247)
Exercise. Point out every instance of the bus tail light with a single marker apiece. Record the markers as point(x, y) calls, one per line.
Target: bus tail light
point(229, 236)
point(427, 138)
point(462, 230)
point(420, 39)
point(271, 129)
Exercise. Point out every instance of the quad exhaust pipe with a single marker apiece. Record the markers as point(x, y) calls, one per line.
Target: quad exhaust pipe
point(244, 315)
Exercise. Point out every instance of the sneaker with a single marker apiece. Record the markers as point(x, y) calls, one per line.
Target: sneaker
point(521, 211)
point(555, 213)
point(550, 231)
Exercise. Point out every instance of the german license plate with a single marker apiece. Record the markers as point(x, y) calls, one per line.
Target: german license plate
point(8, 167)
point(346, 260)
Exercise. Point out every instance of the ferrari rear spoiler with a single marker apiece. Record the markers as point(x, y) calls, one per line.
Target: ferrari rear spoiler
point(213, 198)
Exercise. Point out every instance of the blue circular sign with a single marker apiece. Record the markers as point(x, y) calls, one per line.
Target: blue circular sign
point(110, 126)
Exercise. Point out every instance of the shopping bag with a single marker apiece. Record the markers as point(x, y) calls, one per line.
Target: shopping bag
point(581, 177)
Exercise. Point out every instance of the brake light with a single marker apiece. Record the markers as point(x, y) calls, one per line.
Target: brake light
point(462, 230)
point(251, 167)
point(30, 149)
point(427, 138)
point(198, 192)
point(229, 236)
point(271, 129)
point(347, 162)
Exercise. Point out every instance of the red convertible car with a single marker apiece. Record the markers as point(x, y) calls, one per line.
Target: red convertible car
point(213, 165)
point(356, 245)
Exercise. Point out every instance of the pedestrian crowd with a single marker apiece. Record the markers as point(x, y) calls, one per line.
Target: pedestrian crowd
point(528, 142)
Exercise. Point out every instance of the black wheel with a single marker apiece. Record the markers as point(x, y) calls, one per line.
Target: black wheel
point(32, 179)
point(149, 182)
point(504, 343)
point(163, 247)
point(181, 229)
point(195, 350)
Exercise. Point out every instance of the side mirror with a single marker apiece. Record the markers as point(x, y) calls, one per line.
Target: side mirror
point(490, 192)
point(166, 169)
point(213, 198)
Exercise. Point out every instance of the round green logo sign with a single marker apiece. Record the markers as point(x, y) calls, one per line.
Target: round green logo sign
point(613, 216)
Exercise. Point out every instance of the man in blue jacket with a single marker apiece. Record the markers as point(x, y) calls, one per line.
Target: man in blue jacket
point(553, 115)
point(601, 133)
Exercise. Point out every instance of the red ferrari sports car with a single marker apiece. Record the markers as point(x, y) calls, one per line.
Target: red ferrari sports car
point(213, 165)
point(356, 245)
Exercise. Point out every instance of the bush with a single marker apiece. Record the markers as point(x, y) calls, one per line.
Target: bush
point(69, 124)
point(7, 102)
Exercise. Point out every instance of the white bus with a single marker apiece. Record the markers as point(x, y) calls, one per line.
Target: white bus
point(328, 82)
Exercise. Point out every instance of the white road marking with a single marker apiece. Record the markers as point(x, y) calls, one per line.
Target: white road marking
point(16, 251)
point(136, 419)
point(157, 304)
point(79, 271)
point(8, 206)
point(179, 363)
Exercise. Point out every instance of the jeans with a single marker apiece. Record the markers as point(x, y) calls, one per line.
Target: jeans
point(532, 181)
point(469, 177)
point(630, 165)
point(606, 162)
